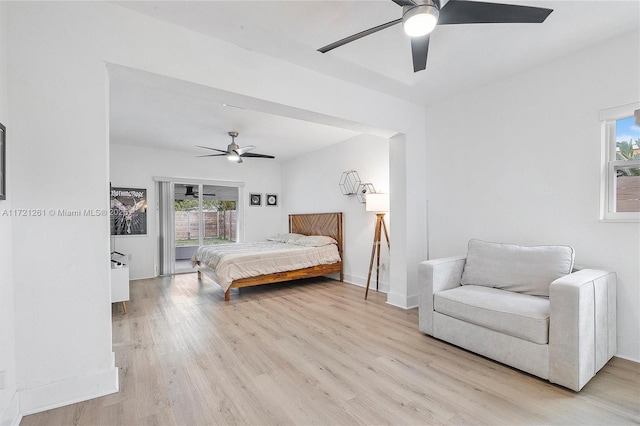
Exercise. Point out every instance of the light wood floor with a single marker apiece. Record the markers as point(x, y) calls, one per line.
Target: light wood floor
point(317, 353)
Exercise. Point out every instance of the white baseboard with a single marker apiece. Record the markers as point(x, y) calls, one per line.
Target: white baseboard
point(54, 395)
point(398, 300)
point(355, 280)
point(392, 298)
point(412, 301)
point(402, 301)
point(362, 282)
point(11, 415)
point(628, 349)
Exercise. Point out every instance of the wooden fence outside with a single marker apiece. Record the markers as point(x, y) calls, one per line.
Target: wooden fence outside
point(628, 194)
point(216, 225)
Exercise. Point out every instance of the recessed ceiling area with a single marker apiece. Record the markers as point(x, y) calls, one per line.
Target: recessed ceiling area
point(155, 111)
point(159, 112)
point(461, 57)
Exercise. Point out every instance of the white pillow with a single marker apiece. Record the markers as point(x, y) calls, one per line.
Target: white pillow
point(521, 269)
point(315, 241)
point(288, 238)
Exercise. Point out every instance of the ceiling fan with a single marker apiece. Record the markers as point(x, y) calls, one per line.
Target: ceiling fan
point(419, 18)
point(235, 152)
point(189, 192)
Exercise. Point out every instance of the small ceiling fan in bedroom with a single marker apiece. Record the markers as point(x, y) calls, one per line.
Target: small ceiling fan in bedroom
point(420, 17)
point(234, 152)
point(189, 192)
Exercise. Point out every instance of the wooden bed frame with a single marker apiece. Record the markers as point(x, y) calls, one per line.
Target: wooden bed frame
point(329, 224)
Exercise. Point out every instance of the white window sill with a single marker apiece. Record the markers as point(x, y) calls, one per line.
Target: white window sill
point(620, 220)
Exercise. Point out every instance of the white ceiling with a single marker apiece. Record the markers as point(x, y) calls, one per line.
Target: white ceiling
point(461, 57)
point(158, 112)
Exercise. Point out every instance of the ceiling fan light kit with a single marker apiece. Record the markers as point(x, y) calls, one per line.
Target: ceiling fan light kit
point(419, 21)
point(419, 18)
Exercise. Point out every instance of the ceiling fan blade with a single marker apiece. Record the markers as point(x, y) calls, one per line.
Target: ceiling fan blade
point(475, 12)
point(211, 155)
point(254, 155)
point(419, 51)
point(404, 2)
point(213, 149)
point(244, 149)
point(354, 37)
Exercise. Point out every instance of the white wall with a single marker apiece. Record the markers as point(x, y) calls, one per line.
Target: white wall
point(133, 166)
point(9, 409)
point(519, 161)
point(58, 98)
point(310, 185)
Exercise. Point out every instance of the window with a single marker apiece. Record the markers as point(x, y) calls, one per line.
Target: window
point(620, 198)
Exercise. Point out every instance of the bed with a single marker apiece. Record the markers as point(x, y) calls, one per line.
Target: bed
point(235, 265)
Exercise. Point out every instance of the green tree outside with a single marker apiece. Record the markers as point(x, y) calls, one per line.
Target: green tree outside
point(628, 150)
point(207, 205)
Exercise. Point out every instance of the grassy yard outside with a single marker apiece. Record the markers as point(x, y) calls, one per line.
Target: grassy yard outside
point(207, 241)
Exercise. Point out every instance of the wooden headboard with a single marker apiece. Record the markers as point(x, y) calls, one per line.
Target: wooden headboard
point(329, 224)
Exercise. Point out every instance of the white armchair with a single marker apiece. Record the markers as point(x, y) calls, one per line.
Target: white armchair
point(565, 338)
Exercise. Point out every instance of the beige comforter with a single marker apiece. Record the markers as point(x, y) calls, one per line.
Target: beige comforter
point(227, 262)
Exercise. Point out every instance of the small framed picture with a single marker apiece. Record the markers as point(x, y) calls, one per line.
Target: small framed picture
point(272, 200)
point(255, 199)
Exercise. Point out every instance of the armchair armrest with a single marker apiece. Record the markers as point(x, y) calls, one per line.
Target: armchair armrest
point(582, 330)
point(434, 276)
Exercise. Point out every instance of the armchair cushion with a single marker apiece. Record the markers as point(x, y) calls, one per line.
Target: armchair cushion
point(515, 314)
point(511, 267)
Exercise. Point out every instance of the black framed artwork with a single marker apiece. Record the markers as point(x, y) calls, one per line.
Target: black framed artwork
point(3, 162)
point(255, 199)
point(272, 200)
point(128, 211)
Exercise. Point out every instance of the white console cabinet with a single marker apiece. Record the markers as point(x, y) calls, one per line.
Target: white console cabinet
point(120, 279)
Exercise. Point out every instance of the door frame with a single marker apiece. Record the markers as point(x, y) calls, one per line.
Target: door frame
point(184, 180)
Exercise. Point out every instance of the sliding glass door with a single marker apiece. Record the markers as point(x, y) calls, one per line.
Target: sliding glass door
point(192, 213)
point(203, 214)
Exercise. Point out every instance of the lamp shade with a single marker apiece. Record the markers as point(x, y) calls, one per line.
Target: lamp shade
point(377, 202)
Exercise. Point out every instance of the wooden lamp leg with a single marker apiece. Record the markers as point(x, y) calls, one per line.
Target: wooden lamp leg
point(375, 249)
point(386, 234)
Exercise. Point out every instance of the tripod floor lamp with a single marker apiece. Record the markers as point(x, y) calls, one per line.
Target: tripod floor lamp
point(378, 203)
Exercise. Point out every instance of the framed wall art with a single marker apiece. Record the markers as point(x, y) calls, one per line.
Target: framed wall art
point(128, 211)
point(3, 162)
point(255, 199)
point(272, 200)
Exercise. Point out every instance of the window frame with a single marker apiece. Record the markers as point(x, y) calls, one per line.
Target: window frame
point(609, 164)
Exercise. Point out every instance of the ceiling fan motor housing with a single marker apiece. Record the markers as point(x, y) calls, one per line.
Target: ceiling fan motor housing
point(233, 146)
point(418, 3)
